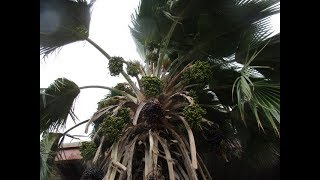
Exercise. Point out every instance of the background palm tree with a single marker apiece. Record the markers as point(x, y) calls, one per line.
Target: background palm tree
point(189, 50)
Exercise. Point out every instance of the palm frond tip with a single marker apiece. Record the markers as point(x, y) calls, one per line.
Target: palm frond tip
point(56, 104)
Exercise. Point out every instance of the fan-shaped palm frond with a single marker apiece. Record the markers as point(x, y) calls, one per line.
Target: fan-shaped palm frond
point(269, 58)
point(48, 149)
point(262, 97)
point(215, 26)
point(266, 97)
point(63, 22)
point(145, 27)
point(56, 104)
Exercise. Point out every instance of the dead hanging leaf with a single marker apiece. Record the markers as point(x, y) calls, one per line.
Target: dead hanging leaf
point(127, 159)
point(168, 156)
point(182, 172)
point(96, 134)
point(184, 152)
point(203, 169)
point(147, 163)
point(111, 173)
point(136, 116)
point(154, 150)
point(115, 111)
point(98, 152)
point(129, 166)
point(122, 169)
point(192, 143)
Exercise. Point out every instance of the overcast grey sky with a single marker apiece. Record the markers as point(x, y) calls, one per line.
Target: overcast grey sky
point(83, 64)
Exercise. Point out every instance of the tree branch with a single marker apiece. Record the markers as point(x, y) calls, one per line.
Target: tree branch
point(111, 89)
point(140, 96)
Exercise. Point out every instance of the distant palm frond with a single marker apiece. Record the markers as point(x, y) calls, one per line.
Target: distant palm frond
point(63, 22)
point(56, 104)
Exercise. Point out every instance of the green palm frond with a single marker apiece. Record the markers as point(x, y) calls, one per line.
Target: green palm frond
point(206, 29)
point(251, 44)
point(48, 148)
point(224, 24)
point(255, 36)
point(269, 58)
point(224, 73)
point(63, 22)
point(145, 28)
point(266, 97)
point(262, 97)
point(243, 92)
point(56, 104)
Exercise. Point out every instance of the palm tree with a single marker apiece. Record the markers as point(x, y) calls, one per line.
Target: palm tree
point(209, 81)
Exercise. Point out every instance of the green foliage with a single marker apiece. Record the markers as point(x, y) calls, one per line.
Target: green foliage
point(193, 94)
point(115, 65)
point(124, 114)
point(152, 57)
point(48, 149)
point(56, 103)
point(152, 86)
point(108, 102)
point(198, 73)
point(122, 87)
point(152, 45)
point(262, 97)
point(88, 150)
point(133, 69)
point(62, 86)
point(111, 127)
point(193, 115)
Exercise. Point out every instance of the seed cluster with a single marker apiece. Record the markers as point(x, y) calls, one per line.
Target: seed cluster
point(112, 127)
point(198, 73)
point(115, 65)
point(193, 115)
point(88, 150)
point(152, 86)
point(133, 69)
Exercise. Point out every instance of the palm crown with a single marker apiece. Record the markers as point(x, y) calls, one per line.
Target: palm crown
point(209, 80)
